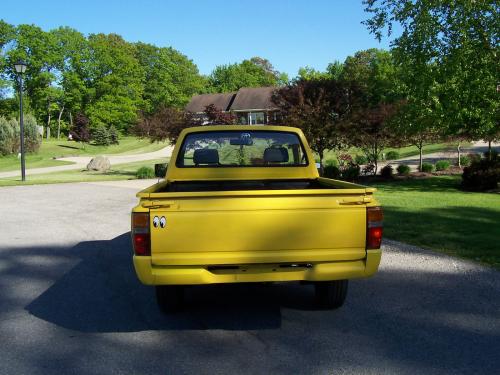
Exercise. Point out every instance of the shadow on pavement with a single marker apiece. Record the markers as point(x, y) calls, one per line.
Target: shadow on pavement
point(102, 294)
point(432, 321)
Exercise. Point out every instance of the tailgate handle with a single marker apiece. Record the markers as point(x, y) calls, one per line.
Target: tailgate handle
point(354, 201)
point(158, 204)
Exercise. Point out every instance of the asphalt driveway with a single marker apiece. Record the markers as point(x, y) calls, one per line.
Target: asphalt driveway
point(70, 304)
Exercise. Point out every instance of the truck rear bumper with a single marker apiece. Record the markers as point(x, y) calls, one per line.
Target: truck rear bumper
point(192, 275)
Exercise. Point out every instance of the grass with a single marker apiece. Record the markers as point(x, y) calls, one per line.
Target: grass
point(118, 172)
point(433, 213)
point(52, 148)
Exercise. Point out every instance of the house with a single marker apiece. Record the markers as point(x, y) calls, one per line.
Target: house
point(250, 105)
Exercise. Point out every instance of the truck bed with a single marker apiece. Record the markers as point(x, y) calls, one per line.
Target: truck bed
point(194, 186)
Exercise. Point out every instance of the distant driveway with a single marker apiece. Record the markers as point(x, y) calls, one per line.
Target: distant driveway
point(413, 161)
point(70, 304)
point(80, 162)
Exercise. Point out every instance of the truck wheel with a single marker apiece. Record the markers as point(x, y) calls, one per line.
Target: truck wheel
point(170, 298)
point(330, 294)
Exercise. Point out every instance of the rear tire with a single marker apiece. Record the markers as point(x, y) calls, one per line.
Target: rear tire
point(170, 298)
point(330, 294)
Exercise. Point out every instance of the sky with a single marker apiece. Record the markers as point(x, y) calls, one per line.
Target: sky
point(290, 34)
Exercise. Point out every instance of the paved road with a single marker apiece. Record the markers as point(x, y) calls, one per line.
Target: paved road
point(80, 162)
point(70, 304)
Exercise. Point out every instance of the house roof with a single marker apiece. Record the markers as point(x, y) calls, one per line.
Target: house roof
point(253, 98)
point(221, 101)
point(247, 98)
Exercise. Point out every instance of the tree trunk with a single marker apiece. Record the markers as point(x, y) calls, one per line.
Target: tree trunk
point(48, 119)
point(420, 156)
point(489, 150)
point(321, 155)
point(59, 122)
point(458, 151)
point(71, 119)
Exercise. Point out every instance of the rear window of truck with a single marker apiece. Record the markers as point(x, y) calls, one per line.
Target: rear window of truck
point(241, 149)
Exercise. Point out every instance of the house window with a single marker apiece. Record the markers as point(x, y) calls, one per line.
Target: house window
point(256, 118)
point(242, 118)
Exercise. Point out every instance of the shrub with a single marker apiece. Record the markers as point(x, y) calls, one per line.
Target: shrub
point(16, 141)
point(331, 171)
point(481, 175)
point(442, 165)
point(6, 137)
point(465, 160)
point(145, 172)
point(331, 162)
point(392, 155)
point(349, 170)
point(387, 171)
point(494, 154)
point(361, 159)
point(368, 169)
point(32, 139)
point(403, 169)
point(161, 169)
point(113, 135)
point(101, 136)
point(427, 167)
point(351, 173)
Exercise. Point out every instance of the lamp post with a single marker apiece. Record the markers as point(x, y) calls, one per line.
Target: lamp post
point(20, 67)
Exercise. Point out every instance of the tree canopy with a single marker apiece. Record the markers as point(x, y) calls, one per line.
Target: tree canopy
point(256, 72)
point(449, 51)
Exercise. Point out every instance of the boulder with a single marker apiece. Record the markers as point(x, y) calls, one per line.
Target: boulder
point(99, 163)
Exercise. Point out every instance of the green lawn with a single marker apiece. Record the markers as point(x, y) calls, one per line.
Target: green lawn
point(51, 149)
point(404, 152)
point(435, 214)
point(117, 172)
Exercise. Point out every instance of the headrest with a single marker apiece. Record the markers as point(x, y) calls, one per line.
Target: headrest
point(206, 156)
point(276, 155)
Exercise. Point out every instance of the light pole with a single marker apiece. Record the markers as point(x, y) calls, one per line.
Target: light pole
point(20, 67)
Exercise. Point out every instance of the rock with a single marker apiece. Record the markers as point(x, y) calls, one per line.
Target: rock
point(99, 163)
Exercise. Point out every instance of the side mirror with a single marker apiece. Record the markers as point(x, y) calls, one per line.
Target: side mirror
point(161, 170)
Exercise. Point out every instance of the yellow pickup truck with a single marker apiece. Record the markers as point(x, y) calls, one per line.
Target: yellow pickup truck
point(246, 204)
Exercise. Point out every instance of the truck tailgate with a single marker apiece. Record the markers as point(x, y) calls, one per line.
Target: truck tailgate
point(223, 230)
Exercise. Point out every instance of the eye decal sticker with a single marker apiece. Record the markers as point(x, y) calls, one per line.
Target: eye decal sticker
point(156, 221)
point(163, 222)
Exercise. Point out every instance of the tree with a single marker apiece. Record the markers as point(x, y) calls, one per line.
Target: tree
point(117, 82)
point(165, 123)
point(73, 57)
point(215, 116)
point(37, 48)
point(376, 101)
point(171, 79)
point(321, 108)
point(7, 34)
point(248, 73)
point(80, 131)
point(455, 43)
point(371, 130)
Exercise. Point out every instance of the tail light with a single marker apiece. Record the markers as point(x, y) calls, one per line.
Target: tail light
point(374, 227)
point(140, 233)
